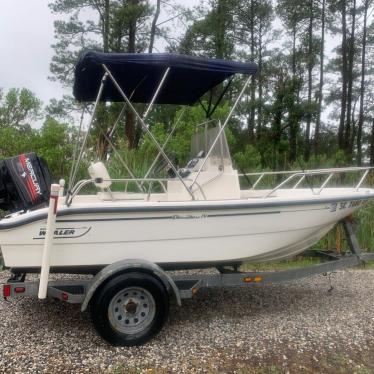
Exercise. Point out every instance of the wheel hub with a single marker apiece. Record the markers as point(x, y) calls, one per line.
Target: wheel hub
point(132, 310)
point(131, 307)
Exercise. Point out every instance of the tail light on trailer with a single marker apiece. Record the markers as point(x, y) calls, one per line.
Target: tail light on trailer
point(255, 279)
point(19, 289)
point(6, 290)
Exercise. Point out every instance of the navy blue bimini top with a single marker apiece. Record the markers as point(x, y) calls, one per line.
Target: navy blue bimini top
point(139, 75)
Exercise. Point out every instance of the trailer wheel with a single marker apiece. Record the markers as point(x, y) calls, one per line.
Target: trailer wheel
point(130, 309)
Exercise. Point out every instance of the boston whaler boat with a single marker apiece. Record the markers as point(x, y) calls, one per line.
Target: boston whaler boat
point(199, 216)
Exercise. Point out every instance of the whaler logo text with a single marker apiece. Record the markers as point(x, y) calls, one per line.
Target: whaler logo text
point(65, 232)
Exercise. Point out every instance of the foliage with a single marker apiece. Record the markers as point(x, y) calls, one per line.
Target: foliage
point(294, 263)
point(284, 108)
point(113, 26)
point(54, 142)
point(212, 35)
point(18, 108)
point(177, 148)
point(15, 141)
point(248, 160)
point(366, 227)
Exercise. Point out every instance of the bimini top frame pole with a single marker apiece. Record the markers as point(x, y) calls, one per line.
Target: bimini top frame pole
point(104, 78)
point(165, 143)
point(108, 138)
point(141, 119)
point(76, 148)
point(145, 127)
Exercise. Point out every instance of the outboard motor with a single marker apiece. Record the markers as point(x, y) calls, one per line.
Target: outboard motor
point(25, 182)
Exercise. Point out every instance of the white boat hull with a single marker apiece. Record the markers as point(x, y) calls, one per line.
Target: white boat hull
point(176, 234)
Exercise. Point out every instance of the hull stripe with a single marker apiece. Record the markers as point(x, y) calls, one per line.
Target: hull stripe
point(164, 217)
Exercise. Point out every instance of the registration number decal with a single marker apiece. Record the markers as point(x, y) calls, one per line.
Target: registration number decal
point(345, 205)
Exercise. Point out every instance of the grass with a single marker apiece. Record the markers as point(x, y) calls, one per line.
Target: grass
point(293, 263)
point(366, 226)
point(365, 232)
point(368, 265)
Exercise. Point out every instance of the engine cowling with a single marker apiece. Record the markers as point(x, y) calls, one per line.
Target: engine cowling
point(25, 182)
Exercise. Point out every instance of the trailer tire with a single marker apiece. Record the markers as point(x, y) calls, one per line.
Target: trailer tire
point(130, 309)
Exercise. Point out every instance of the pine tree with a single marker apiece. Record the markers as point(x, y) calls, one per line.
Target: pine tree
point(253, 33)
point(115, 26)
point(362, 85)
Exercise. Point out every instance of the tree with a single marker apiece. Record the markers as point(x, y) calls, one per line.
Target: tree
point(345, 13)
point(115, 26)
point(54, 142)
point(321, 78)
point(342, 8)
point(283, 103)
point(154, 26)
point(212, 34)
point(16, 141)
point(310, 64)
point(372, 144)
point(63, 109)
point(351, 54)
point(19, 108)
point(254, 31)
point(294, 17)
point(362, 85)
point(350, 20)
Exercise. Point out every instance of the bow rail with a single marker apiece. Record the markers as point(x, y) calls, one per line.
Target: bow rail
point(301, 175)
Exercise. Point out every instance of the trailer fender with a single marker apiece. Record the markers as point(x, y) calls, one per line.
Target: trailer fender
point(123, 266)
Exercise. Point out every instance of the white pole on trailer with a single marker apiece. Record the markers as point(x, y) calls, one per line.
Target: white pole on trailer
point(49, 233)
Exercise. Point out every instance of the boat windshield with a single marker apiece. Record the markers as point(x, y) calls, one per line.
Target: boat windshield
point(202, 141)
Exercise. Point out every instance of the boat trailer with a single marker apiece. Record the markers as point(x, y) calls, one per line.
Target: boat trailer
point(91, 293)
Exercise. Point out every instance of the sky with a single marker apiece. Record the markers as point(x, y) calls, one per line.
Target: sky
point(26, 36)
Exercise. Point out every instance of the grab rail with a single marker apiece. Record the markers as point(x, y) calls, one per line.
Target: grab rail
point(302, 174)
point(160, 181)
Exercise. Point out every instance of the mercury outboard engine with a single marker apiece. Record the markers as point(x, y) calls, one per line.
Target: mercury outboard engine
point(25, 182)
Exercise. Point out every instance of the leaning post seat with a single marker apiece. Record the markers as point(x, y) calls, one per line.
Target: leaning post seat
point(25, 183)
point(98, 171)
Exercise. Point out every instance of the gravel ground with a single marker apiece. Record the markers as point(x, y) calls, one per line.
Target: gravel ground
point(294, 327)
